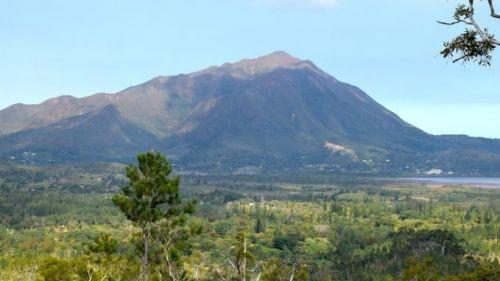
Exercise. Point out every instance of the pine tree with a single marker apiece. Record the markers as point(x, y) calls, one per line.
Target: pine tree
point(152, 194)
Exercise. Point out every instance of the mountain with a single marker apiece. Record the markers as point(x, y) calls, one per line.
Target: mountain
point(101, 135)
point(275, 112)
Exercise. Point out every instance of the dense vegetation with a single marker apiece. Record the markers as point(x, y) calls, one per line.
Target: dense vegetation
point(59, 223)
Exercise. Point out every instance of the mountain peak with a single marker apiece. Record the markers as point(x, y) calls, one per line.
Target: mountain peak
point(248, 67)
point(278, 58)
point(280, 53)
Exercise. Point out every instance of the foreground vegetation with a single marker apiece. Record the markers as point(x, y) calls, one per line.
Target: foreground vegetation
point(60, 223)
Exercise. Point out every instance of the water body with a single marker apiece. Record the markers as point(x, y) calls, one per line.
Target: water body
point(481, 182)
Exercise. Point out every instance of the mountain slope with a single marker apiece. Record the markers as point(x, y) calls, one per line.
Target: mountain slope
point(21, 117)
point(273, 112)
point(102, 135)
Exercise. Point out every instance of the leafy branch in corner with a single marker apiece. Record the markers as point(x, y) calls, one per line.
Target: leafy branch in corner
point(475, 44)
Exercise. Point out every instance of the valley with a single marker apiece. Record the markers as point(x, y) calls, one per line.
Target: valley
point(54, 221)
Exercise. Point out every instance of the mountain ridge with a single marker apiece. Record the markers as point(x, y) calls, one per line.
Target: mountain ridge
point(95, 101)
point(272, 112)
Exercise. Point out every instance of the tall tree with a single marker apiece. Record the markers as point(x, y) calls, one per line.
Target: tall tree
point(475, 44)
point(241, 260)
point(151, 195)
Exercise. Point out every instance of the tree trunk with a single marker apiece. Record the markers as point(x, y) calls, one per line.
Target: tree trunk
point(244, 259)
point(145, 256)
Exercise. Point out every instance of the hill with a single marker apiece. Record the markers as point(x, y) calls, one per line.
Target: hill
point(273, 113)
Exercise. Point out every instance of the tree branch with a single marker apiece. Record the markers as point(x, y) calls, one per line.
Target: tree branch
point(478, 28)
point(220, 275)
point(454, 22)
point(230, 262)
point(492, 10)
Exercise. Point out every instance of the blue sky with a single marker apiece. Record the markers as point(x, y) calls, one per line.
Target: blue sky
point(389, 48)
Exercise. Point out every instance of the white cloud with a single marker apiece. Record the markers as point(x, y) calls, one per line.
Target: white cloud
point(304, 3)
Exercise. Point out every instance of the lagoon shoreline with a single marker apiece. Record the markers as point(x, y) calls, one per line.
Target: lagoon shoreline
point(480, 182)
